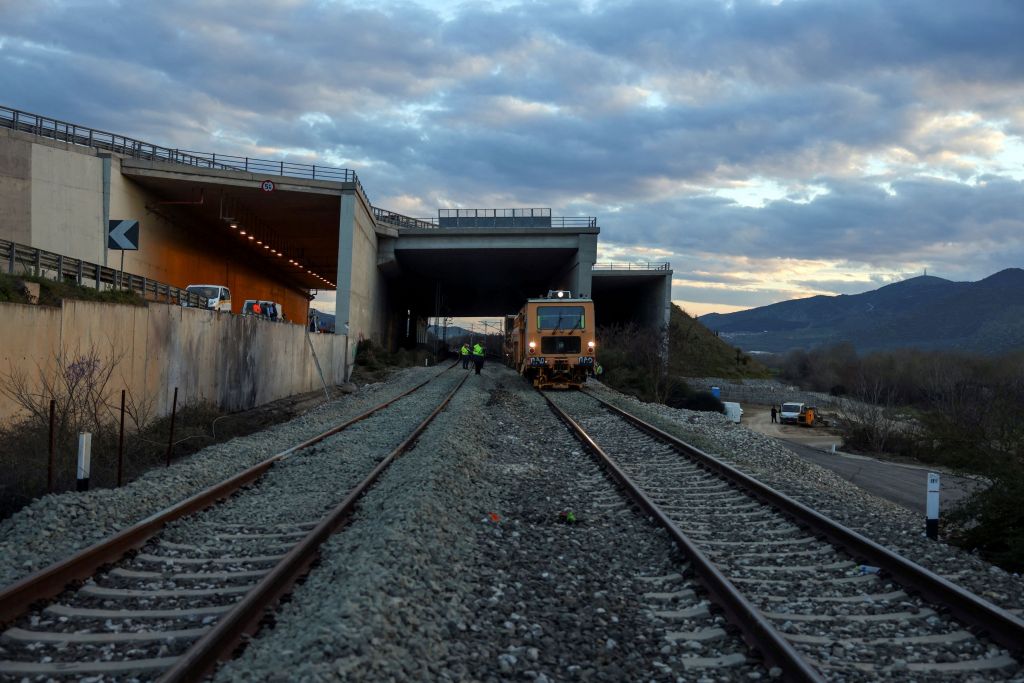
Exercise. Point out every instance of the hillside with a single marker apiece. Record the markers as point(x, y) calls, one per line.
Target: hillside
point(922, 312)
point(695, 351)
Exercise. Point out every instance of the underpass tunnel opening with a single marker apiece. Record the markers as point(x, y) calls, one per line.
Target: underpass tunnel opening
point(481, 285)
point(200, 228)
point(625, 299)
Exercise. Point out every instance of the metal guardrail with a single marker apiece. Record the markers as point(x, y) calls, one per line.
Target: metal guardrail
point(53, 266)
point(63, 131)
point(485, 218)
point(648, 265)
point(400, 221)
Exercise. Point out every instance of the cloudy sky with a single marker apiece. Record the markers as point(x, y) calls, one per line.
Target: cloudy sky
point(768, 150)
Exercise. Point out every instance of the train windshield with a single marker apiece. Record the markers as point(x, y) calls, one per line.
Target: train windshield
point(560, 318)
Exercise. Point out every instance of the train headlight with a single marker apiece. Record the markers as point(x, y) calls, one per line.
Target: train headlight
point(533, 347)
point(590, 344)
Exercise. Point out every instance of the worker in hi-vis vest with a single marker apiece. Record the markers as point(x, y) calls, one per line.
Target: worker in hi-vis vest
point(478, 357)
point(464, 352)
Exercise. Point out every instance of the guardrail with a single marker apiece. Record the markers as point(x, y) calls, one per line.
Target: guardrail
point(63, 131)
point(400, 221)
point(450, 219)
point(62, 268)
point(644, 265)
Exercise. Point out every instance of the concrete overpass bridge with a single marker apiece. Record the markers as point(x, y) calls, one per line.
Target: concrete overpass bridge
point(284, 231)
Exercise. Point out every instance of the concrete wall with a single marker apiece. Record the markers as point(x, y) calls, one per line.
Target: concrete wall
point(233, 362)
point(67, 203)
point(763, 391)
point(15, 188)
point(362, 298)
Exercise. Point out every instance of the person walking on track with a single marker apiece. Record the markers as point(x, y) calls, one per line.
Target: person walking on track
point(478, 357)
point(464, 352)
point(774, 414)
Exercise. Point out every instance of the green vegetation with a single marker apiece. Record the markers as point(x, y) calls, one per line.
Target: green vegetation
point(52, 292)
point(633, 361)
point(956, 410)
point(696, 351)
point(374, 363)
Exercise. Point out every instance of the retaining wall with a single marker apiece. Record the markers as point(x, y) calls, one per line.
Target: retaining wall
point(231, 361)
point(762, 391)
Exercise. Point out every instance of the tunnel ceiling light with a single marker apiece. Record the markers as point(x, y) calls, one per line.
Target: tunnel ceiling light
point(259, 241)
point(234, 225)
point(251, 237)
point(241, 232)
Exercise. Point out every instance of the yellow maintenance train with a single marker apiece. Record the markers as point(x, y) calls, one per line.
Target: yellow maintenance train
point(551, 340)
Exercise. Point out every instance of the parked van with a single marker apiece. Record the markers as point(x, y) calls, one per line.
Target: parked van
point(218, 297)
point(733, 411)
point(790, 413)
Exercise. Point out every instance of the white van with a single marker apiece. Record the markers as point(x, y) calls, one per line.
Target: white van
point(733, 411)
point(790, 413)
point(218, 297)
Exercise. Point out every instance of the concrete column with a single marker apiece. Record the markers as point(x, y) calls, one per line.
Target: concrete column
point(346, 236)
point(106, 204)
point(586, 257)
point(343, 292)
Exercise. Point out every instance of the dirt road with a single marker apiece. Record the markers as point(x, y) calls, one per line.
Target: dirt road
point(901, 483)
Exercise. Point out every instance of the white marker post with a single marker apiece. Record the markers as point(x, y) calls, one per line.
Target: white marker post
point(931, 523)
point(84, 457)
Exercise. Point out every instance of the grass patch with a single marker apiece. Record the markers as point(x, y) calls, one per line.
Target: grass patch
point(53, 292)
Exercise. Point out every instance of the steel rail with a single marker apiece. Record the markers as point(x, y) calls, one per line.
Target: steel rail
point(245, 617)
point(757, 631)
point(18, 597)
point(986, 618)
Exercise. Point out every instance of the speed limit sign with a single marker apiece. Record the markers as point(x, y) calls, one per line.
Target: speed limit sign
point(267, 186)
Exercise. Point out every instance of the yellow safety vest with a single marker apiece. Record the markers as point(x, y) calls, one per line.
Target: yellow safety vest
point(478, 350)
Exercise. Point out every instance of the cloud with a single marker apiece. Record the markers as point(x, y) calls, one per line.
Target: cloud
point(882, 134)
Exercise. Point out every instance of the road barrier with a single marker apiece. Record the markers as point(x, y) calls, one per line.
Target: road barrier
point(19, 259)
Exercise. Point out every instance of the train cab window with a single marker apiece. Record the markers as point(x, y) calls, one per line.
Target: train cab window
point(556, 345)
point(560, 318)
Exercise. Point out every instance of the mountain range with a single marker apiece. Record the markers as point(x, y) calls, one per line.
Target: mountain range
point(924, 312)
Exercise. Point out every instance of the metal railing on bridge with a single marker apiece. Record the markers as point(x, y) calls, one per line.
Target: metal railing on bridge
point(641, 265)
point(400, 221)
point(63, 131)
point(487, 218)
point(20, 259)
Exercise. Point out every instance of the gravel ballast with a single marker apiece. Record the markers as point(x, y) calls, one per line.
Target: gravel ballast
point(57, 525)
point(880, 520)
point(494, 550)
point(463, 564)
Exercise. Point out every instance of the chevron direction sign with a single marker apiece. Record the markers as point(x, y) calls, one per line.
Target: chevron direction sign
point(123, 235)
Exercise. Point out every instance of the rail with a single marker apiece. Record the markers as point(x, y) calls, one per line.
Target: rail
point(62, 268)
point(63, 131)
point(648, 265)
point(756, 629)
point(991, 620)
point(18, 597)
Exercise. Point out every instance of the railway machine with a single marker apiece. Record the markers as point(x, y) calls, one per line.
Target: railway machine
point(551, 340)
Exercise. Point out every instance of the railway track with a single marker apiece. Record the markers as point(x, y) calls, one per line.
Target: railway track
point(816, 600)
point(206, 573)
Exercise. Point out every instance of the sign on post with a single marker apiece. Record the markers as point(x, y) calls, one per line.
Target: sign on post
point(931, 524)
point(123, 235)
